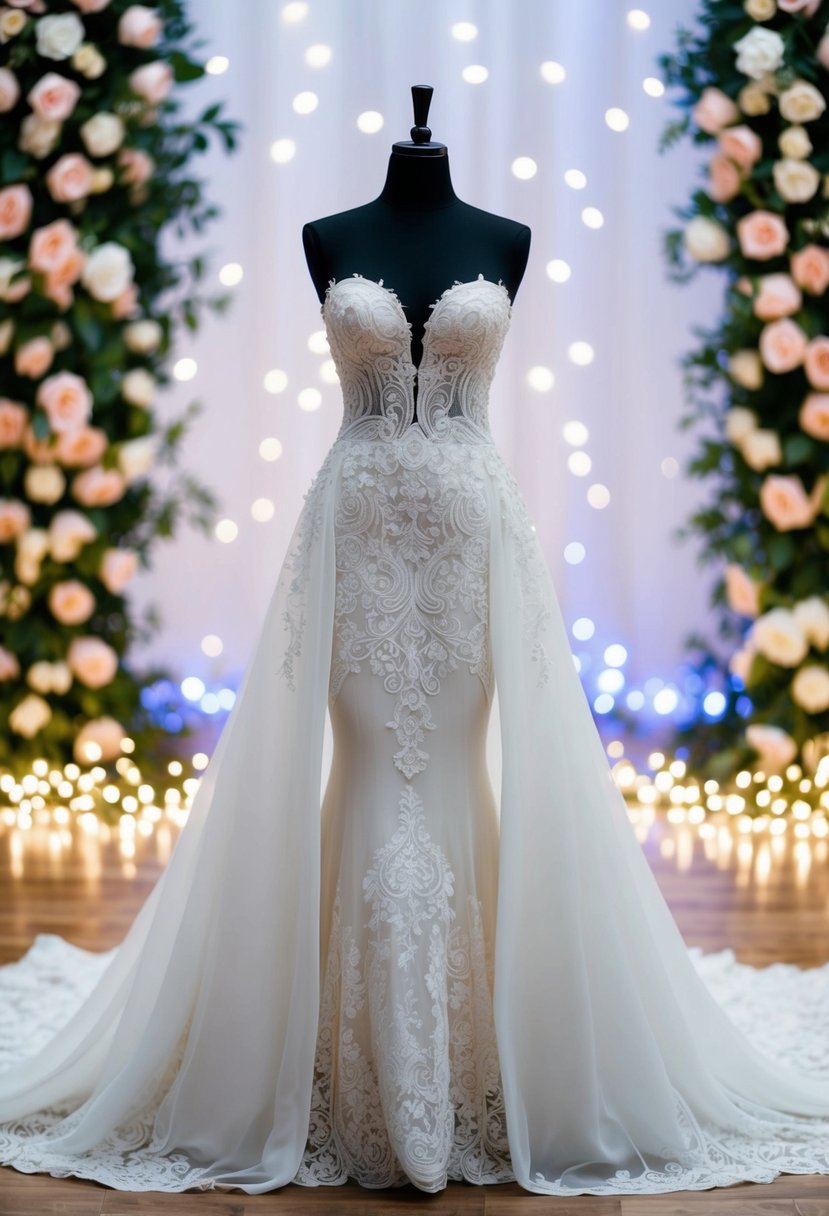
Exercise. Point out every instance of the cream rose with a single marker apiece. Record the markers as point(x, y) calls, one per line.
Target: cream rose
point(136, 457)
point(44, 483)
point(816, 362)
point(761, 449)
point(15, 518)
point(813, 415)
point(89, 61)
point(30, 715)
point(742, 593)
point(34, 543)
point(11, 23)
point(71, 602)
point(99, 739)
point(108, 271)
point(140, 26)
point(762, 235)
point(783, 345)
point(15, 600)
point(54, 97)
point(776, 748)
point(66, 399)
point(69, 531)
point(760, 10)
point(810, 269)
point(13, 418)
point(745, 367)
point(142, 337)
point(102, 179)
point(38, 136)
point(801, 102)
point(812, 615)
point(117, 568)
point(102, 134)
point(47, 677)
point(92, 661)
point(778, 297)
point(152, 81)
point(98, 487)
point(59, 36)
point(796, 180)
point(138, 387)
point(778, 636)
point(810, 688)
point(706, 240)
point(759, 51)
point(784, 501)
point(739, 423)
point(794, 143)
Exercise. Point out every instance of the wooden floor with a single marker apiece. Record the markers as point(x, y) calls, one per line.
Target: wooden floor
point(766, 897)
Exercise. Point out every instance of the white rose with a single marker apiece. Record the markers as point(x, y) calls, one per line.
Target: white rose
point(102, 133)
point(138, 387)
point(745, 367)
point(778, 636)
point(810, 688)
point(38, 136)
point(29, 715)
point(108, 271)
point(776, 747)
point(760, 10)
point(6, 334)
point(47, 677)
point(34, 543)
point(59, 36)
point(761, 449)
point(706, 240)
point(141, 337)
point(801, 102)
point(796, 180)
point(739, 423)
point(137, 456)
point(89, 61)
point(26, 571)
point(759, 51)
point(44, 483)
point(812, 615)
point(794, 143)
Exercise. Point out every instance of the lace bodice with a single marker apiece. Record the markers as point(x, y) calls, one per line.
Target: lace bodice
point(370, 340)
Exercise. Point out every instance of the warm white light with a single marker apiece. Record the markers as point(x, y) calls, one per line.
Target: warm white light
point(262, 509)
point(669, 466)
point(558, 270)
point(185, 369)
point(370, 122)
point(305, 102)
point(615, 654)
point(192, 688)
point(653, 86)
point(217, 65)
point(583, 628)
point(575, 433)
point(540, 378)
point(309, 399)
point(270, 448)
point(616, 119)
point(318, 55)
point(275, 380)
point(598, 496)
point(318, 342)
point(580, 353)
point(638, 19)
point(475, 73)
point(592, 217)
point(283, 150)
point(296, 11)
point(464, 31)
point(524, 167)
point(579, 463)
point(212, 645)
point(552, 72)
point(226, 530)
point(575, 179)
point(328, 372)
point(574, 552)
point(231, 274)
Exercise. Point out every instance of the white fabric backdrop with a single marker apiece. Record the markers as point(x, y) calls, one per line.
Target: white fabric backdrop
point(635, 583)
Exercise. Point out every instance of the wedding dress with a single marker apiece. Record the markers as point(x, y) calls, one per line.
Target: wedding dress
point(460, 965)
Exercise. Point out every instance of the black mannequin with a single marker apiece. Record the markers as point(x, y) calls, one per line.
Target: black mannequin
point(417, 235)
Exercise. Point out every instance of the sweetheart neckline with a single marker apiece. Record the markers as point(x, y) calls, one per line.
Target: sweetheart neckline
point(396, 299)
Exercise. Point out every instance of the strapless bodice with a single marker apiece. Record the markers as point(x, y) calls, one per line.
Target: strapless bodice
point(371, 344)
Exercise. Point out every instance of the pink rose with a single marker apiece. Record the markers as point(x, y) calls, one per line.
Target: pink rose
point(92, 660)
point(51, 245)
point(741, 591)
point(117, 568)
point(54, 97)
point(14, 519)
point(814, 415)
point(823, 51)
point(140, 26)
point(807, 7)
point(153, 81)
point(9, 90)
point(9, 665)
point(71, 602)
point(66, 399)
point(782, 345)
point(816, 362)
point(723, 178)
point(34, 358)
point(778, 297)
point(810, 269)
point(13, 417)
point(742, 145)
point(15, 210)
point(91, 6)
point(714, 110)
point(70, 178)
point(105, 733)
point(785, 502)
point(126, 305)
point(762, 235)
point(136, 166)
point(98, 487)
point(81, 447)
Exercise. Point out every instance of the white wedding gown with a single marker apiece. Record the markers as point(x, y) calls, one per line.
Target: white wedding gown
point(461, 965)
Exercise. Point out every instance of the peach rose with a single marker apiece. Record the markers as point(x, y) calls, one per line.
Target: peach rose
point(51, 245)
point(152, 81)
point(59, 280)
point(34, 358)
point(81, 447)
point(41, 451)
point(66, 399)
point(9, 665)
point(784, 501)
point(140, 26)
point(99, 739)
point(70, 178)
point(741, 591)
point(778, 297)
point(742, 145)
point(117, 568)
point(714, 110)
point(98, 487)
point(126, 304)
point(783, 345)
point(810, 269)
point(54, 97)
point(15, 517)
point(9, 90)
point(816, 362)
point(69, 530)
point(136, 166)
point(814, 415)
point(723, 178)
point(762, 235)
point(776, 748)
point(15, 210)
point(92, 660)
point(13, 418)
point(71, 602)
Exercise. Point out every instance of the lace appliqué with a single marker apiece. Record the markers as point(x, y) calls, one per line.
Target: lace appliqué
point(406, 1078)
